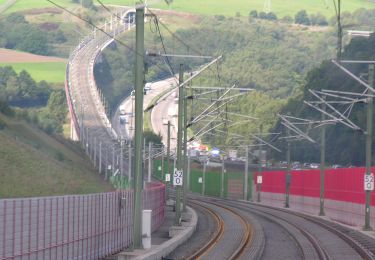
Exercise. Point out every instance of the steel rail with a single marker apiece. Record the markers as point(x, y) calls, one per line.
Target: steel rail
point(318, 248)
point(218, 234)
point(246, 239)
point(359, 242)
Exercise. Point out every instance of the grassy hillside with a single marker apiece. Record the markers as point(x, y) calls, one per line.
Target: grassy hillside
point(280, 7)
point(53, 72)
point(35, 164)
point(21, 5)
point(214, 7)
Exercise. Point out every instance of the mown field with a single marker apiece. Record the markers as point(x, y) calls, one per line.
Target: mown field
point(280, 7)
point(35, 164)
point(224, 7)
point(32, 4)
point(53, 72)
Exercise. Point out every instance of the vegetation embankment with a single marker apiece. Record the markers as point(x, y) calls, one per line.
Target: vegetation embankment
point(280, 7)
point(37, 102)
point(272, 57)
point(212, 7)
point(257, 54)
point(33, 163)
point(344, 145)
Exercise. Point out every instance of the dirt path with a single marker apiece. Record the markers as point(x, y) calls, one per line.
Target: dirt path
point(12, 56)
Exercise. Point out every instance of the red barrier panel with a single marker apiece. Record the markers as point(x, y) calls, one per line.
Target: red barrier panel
point(273, 182)
point(344, 184)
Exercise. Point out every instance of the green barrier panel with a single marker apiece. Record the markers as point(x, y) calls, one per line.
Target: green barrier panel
point(233, 181)
point(158, 171)
point(195, 186)
point(213, 183)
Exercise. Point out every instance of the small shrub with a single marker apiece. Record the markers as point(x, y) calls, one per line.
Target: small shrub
point(220, 17)
point(302, 18)
point(253, 14)
point(287, 19)
point(59, 156)
point(2, 125)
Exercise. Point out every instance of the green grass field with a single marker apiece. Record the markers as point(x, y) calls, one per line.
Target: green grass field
point(31, 4)
point(280, 7)
point(33, 163)
point(224, 7)
point(53, 72)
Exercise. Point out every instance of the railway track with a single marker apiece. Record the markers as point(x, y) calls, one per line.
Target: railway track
point(317, 238)
point(216, 236)
point(228, 222)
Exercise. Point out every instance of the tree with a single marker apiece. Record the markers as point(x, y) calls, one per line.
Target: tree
point(344, 145)
point(318, 19)
point(253, 14)
point(56, 106)
point(302, 18)
point(262, 15)
point(59, 37)
point(152, 137)
point(271, 16)
point(5, 109)
point(220, 17)
point(88, 4)
point(35, 41)
point(15, 18)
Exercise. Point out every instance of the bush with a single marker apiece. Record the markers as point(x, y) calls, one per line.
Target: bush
point(59, 156)
point(302, 18)
point(220, 17)
point(262, 15)
point(318, 19)
point(152, 137)
point(2, 125)
point(287, 19)
point(5, 109)
point(253, 14)
point(271, 16)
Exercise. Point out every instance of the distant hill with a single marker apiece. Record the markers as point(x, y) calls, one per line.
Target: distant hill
point(33, 163)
